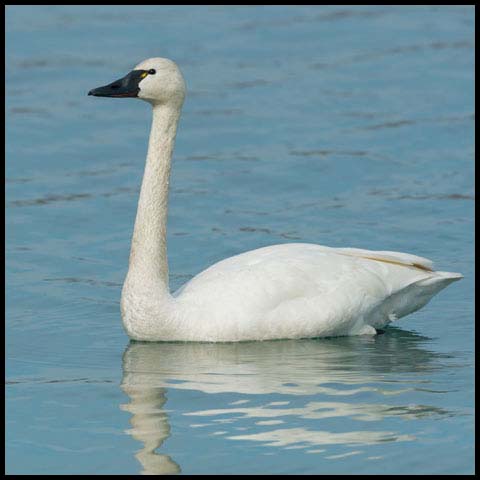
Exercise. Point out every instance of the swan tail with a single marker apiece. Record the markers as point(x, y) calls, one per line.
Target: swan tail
point(440, 279)
point(412, 297)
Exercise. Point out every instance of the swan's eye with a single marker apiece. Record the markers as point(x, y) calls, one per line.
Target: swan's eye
point(152, 71)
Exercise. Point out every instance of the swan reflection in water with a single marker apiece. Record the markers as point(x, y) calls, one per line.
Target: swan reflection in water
point(334, 370)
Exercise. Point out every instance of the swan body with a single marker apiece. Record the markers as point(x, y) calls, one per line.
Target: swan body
point(292, 290)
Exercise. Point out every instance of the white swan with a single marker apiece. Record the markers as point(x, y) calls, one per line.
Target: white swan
point(282, 291)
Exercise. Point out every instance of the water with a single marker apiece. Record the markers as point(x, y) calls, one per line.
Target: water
point(345, 126)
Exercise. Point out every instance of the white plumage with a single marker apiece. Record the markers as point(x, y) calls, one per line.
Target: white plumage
point(283, 291)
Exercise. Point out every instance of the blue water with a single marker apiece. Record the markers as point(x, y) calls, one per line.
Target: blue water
point(341, 125)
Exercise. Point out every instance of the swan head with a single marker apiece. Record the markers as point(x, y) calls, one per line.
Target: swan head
point(155, 80)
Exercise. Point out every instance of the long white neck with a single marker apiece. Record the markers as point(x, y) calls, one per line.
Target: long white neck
point(148, 255)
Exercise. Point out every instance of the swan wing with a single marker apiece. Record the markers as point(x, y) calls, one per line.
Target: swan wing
point(304, 290)
point(405, 259)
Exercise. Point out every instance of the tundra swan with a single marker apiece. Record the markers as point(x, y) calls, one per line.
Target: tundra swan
point(293, 290)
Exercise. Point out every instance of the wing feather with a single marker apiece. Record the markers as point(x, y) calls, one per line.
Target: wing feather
point(397, 258)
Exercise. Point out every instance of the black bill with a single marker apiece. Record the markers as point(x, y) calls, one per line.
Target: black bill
point(124, 87)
